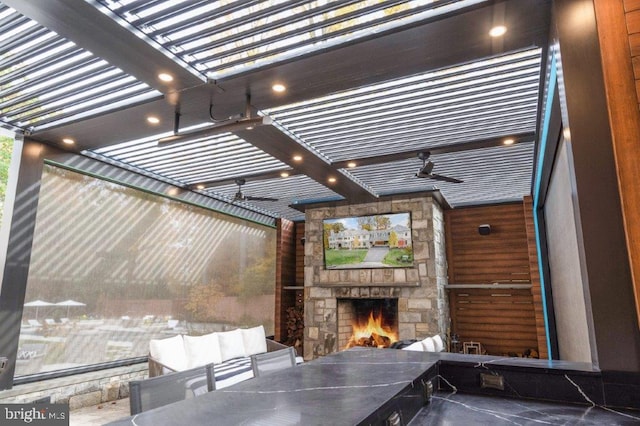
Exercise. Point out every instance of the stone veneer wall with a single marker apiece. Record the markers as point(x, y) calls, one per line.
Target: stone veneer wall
point(79, 390)
point(422, 301)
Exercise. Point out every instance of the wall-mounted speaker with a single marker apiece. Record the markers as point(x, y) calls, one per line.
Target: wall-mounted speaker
point(484, 229)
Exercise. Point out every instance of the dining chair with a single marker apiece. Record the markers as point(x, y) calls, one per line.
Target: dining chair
point(162, 390)
point(269, 362)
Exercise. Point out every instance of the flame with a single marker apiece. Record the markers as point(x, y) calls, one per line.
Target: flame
point(371, 330)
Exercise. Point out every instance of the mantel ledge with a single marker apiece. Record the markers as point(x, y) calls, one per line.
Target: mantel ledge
point(377, 284)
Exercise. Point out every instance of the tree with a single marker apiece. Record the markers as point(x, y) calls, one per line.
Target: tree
point(366, 223)
point(337, 227)
point(200, 299)
point(382, 222)
point(327, 230)
point(6, 147)
point(393, 239)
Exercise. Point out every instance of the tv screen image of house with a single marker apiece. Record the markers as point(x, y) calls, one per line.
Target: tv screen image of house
point(376, 241)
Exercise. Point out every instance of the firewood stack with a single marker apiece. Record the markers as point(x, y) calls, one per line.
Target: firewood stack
point(373, 341)
point(295, 328)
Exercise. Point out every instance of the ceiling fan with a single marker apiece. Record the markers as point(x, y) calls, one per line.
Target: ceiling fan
point(239, 196)
point(427, 168)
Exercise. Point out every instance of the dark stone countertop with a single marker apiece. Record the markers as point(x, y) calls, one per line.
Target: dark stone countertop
point(344, 388)
point(464, 409)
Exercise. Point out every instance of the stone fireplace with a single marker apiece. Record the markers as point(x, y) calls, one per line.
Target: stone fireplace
point(417, 292)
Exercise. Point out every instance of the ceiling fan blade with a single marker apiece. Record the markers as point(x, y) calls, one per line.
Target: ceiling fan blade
point(250, 198)
point(444, 178)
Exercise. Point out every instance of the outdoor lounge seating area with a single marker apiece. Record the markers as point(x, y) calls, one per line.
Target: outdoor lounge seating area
point(289, 203)
point(231, 352)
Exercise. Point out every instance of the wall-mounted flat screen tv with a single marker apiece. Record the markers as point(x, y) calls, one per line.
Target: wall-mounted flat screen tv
point(377, 241)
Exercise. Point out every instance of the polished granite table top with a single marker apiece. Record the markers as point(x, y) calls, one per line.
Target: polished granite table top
point(450, 408)
point(344, 388)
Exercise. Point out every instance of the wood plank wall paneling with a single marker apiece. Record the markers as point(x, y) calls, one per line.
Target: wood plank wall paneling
point(534, 272)
point(628, 17)
point(631, 5)
point(501, 256)
point(285, 274)
point(503, 320)
point(619, 37)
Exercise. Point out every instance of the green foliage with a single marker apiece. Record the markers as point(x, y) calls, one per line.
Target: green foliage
point(337, 227)
point(382, 222)
point(366, 222)
point(325, 234)
point(344, 257)
point(6, 147)
point(398, 257)
point(393, 239)
point(200, 300)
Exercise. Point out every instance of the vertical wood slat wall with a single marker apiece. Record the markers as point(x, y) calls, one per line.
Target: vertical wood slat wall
point(632, 19)
point(619, 36)
point(503, 320)
point(534, 272)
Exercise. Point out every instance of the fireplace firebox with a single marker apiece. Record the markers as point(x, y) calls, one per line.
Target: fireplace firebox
point(367, 322)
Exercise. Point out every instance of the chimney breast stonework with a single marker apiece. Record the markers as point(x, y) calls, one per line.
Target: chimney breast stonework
point(422, 303)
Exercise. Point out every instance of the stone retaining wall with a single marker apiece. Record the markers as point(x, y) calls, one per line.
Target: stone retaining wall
point(80, 390)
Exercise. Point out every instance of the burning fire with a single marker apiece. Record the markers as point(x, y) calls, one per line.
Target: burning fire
point(373, 333)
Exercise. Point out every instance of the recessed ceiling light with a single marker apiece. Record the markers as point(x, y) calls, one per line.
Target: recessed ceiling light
point(165, 77)
point(497, 31)
point(153, 120)
point(68, 141)
point(284, 174)
point(297, 158)
point(200, 187)
point(508, 141)
point(351, 164)
point(278, 87)
point(332, 180)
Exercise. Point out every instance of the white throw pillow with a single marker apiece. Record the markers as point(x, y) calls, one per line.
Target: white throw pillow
point(429, 345)
point(254, 340)
point(202, 350)
point(231, 344)
point(416, 346)
point(169, 352)
point(439, 344)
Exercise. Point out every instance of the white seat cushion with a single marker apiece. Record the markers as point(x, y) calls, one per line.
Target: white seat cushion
point(416, 346)
point(439, 344)
point(429, 345)
point(254, 340)
point(169, 352)
point(231, 344)
point(202, 350)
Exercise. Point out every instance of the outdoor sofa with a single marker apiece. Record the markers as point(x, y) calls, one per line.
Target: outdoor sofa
point(229, 351)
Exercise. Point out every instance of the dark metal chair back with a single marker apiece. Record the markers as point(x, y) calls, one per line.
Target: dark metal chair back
point(162, 390)
point(273, 361)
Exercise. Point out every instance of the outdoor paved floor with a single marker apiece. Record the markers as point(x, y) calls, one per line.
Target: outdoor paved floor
point(100, 414)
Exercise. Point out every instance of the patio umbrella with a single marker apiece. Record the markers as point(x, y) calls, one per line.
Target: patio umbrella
point(69, 303)
point(37, 304)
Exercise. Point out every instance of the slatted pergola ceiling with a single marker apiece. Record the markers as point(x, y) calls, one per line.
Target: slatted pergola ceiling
point(46, 80)
point(220, 38)
point(370, 84)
